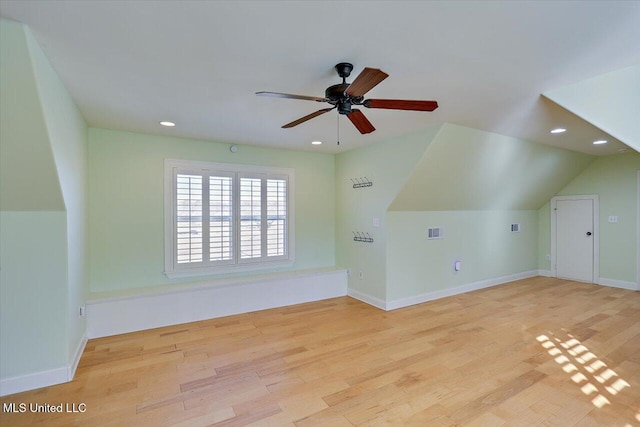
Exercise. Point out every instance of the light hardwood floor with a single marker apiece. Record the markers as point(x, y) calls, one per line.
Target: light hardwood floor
point(538, 351)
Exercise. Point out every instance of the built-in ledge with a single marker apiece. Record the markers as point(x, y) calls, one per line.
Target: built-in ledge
point(123, 311)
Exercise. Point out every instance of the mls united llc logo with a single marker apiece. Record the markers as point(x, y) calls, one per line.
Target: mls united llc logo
point(44, 407)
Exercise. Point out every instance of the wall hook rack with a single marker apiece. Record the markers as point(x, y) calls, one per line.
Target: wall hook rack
point(362, 237)
point(361, 182)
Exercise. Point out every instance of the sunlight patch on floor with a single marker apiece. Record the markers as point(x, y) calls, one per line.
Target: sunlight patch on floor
point(585, 369)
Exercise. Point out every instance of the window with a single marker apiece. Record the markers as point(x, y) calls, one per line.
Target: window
point(223, 217)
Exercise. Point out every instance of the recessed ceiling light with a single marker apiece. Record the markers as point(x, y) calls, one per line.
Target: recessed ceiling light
point(558, 130)
point(600, 141)
point(316, 142)
point(168, 124)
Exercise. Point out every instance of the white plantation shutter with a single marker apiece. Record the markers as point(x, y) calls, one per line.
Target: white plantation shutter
point(250, 218)
point(189, 218)
point(222, 216)
point(276, 217)
point(263, 217)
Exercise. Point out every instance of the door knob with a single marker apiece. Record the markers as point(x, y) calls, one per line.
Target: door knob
point(588, 233)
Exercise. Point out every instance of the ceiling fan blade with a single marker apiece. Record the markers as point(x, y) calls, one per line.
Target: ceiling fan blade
point(307, 117)
point(291, 96)
point(360, 121)
point(401, 104)
point(366, 80)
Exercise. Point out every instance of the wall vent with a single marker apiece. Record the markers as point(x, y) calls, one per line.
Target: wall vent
point(435, 233)
point(515, 228)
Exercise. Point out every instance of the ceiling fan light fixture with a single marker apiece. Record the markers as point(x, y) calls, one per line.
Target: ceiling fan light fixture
point(558, 130)
point(167, 123)
point(600, 142)
point(343, 96)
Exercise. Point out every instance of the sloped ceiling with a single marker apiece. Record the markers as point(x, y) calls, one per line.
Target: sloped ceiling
point(610, 101)
point(129, 64)
point(28, 175)
point(467, 169)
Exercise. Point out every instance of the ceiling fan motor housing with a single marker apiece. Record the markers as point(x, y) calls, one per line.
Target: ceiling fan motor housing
point(336, 93)
point(337, 96)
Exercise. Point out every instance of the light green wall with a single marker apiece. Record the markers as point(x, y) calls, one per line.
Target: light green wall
point(33, 300)
point(614, 180)
point(67, 133)
point(25, 153)
point(610, 101)
point(481, 240)
point(43, 238)
point(473, 183)
point(468, 169)
point(388, 165)
point(126, 203)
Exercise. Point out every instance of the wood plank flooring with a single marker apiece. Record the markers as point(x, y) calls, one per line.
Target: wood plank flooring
point(539, 351)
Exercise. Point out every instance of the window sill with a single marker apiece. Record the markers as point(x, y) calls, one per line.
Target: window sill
point(229, 269)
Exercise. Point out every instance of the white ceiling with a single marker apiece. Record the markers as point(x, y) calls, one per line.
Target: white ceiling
point(130, 64)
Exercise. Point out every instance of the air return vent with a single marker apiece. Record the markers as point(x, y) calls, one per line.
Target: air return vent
point(435, 233)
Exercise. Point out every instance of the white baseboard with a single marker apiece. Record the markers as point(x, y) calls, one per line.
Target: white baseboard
point(366, 298)
point(443, 293)
point(208, 300)
point(46, 378)
point(614, 283)
point(76, 356)
point(35, 380)
point(618, 284)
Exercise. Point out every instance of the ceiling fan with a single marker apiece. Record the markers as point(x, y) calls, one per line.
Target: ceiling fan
point(345, 95)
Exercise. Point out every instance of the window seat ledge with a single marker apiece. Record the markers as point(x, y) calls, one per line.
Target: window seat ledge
point(118, 312)
point(245, 279)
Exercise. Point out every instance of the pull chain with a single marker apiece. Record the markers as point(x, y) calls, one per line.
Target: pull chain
point(338, 116)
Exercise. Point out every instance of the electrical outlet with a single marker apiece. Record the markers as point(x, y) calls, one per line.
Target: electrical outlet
point(361, 275)
point(548, 257)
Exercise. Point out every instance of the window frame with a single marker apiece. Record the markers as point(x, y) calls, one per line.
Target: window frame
point(173, 269)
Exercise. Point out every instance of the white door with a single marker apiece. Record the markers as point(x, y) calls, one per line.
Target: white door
point(574, 239)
